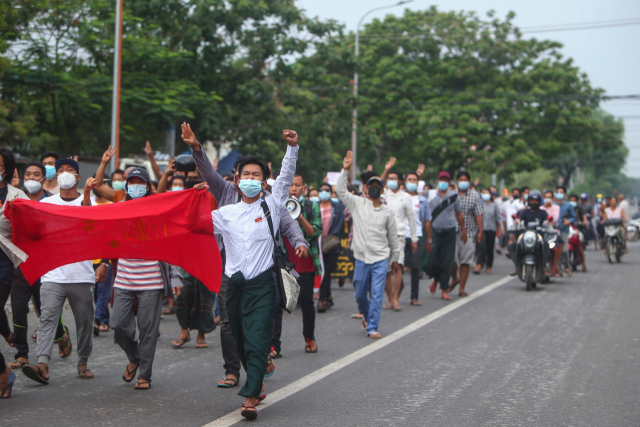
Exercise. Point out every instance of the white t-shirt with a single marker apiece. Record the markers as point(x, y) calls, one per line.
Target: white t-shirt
point(79, 272)
point(415, 202)
point(512, 207)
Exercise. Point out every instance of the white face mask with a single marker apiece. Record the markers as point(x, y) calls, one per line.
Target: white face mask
point(66, 180)
point(33, 186)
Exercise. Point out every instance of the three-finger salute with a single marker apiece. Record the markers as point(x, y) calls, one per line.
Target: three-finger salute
point(348, 161)
point(189, 137)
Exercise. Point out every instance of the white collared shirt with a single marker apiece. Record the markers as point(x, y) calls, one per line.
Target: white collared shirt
point(245, 230)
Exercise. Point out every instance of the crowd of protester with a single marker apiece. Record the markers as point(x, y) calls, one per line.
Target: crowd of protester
point(395, 223)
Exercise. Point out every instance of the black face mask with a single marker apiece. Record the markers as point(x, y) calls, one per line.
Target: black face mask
point(534, 206)
point(374, 192)
point(190, 183)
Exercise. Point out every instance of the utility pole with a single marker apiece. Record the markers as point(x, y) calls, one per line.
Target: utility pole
point(117, 74)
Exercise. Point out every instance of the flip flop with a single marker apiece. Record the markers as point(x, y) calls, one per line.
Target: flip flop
point(34, 373)
point(357, 316)
point(12, 380)
point(452, 287)
point(416, 303)
point(249, 412)
point(184, 340)
point(463, 294)
point(201, 344)
point(142, 388)
point(397, 308)
point(18, 364)
point(225, 385)
point(432, 287)
point(133, 374)
point(83, 374)
point(63, 343)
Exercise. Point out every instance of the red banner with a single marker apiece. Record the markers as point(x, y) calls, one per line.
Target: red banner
point(173, 227)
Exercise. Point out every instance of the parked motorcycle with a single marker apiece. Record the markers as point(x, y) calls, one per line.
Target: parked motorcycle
point(613, 240)
point(633, 230)
point(532, 255)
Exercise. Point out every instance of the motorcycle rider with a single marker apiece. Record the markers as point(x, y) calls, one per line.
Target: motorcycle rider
point(532, 214)
point(582, 226)
point(616, 212)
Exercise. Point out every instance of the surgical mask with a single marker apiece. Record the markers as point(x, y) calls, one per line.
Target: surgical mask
point(549, 201)
point(486, 197)
point(599, 200)
point(136, 190)
point(324, 196)
point(190, 183)
point(33, 186)
point(67, 180)
point(526, 197)
point(392, 184)
point(534, 206)
point(315, 199)
point(117, 185)
point(50, 172)
point(335, 199)
point(559, 196)
point(250, 187)
point(443, 185)
point(574, 204)
point(301, 199)
point(412, 187)
point(374, 192)
point(463, 185)
point(177, 188)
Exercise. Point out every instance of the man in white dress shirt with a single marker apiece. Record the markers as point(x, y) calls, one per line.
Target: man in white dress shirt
point(249, 247)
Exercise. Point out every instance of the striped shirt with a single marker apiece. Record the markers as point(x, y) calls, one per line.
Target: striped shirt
point(138, 275)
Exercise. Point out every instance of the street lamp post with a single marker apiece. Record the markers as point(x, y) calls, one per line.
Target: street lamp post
point(117, 73)
point(354, 121)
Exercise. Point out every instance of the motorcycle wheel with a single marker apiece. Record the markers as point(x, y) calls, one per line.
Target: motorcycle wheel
point(528, 277)
point(611, 252)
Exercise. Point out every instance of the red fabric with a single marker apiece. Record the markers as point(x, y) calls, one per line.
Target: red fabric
point(173, 227)
point(303, 265)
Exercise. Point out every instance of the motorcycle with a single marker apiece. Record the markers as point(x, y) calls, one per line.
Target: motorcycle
point(532, 254)
point(576, 237)
point(633, 230)
point(613, 240)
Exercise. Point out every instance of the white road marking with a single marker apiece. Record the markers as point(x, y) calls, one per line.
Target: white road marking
point(304, 382)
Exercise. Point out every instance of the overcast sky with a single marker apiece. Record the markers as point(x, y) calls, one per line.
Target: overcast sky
point(609, 56)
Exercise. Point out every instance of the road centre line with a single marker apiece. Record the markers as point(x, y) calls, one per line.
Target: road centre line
point(314, 377)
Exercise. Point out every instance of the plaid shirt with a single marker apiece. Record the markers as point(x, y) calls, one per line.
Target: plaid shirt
point(471, 206)
point(316, 223)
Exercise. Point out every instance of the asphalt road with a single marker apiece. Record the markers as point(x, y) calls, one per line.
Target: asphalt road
point(565, 355)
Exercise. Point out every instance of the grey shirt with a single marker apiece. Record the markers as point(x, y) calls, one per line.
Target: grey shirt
point(225, 194)
point(447, 218)
point(492, 217)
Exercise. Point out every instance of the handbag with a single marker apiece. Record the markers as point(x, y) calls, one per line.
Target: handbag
point(330, 243)
point(287, 284)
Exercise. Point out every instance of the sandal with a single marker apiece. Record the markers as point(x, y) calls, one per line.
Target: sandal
point(12, 380)
point(452, 287)
point(446, 297)
point(307, 348)
point(397, 307)
point(168, 311)
point(432, 287)
point(140, 384)
point(34, 373)
point(62, 344)
point(249, 412)
point(275, 354)
point(261, 398)
point(225, 382)
point(18, 364)
point(357, 316)
point(129, 373)
point(416, 302)
point(323, 306)
point(463, 294)
point(330, 301)
point(374, 335)
point(387, 307)
point(201, 344)
point(184, 340)
point(86, 374)
point(96, 330)
point(104, 328)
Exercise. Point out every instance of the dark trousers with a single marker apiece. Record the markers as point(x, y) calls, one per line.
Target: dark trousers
point(194, 307)
point(486, 248)
point(306, 281)
point(412, 260)
point(5, 291)
point(442, 256)
point(330, 261)
point(250, 304)
point(232, 363)
point(102, 296)
point(21, 293)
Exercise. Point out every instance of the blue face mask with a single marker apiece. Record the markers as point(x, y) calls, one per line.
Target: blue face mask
point(324, 196)
point(250, 187)
point(574, 204)
point(392, 184)
point(117, 185)
point(526, 196)
point(136, 190)
point(548, 201)
point(335, 199)
point(315, 199)
point(412, 187)
point(177, 188)
point(463, 185)
point(599, 200)
point(559, 196)
point(50, 172)
point(443, 185)
point(486, 197)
